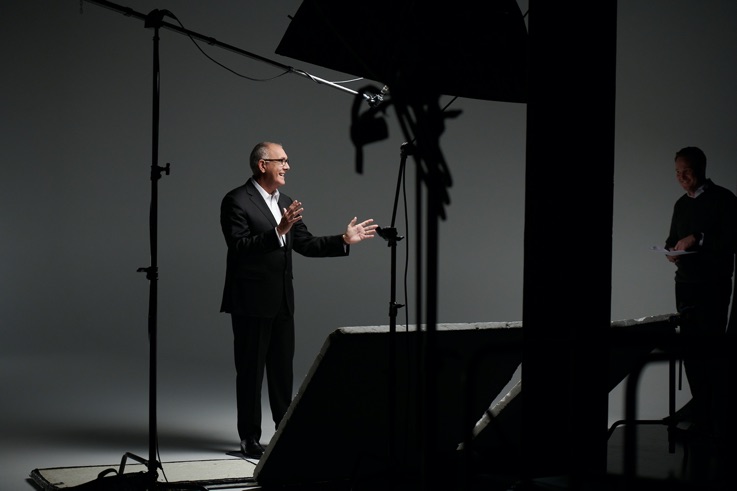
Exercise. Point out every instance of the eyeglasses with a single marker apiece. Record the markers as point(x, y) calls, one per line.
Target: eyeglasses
point(282, 162)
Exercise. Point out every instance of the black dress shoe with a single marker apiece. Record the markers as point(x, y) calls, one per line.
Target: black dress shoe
point(252, 448)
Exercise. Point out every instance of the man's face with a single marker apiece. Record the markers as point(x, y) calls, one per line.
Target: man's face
point(686, 175)
point(274, 168)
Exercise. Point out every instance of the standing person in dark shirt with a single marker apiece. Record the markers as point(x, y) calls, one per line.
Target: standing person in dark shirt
point(704, 223)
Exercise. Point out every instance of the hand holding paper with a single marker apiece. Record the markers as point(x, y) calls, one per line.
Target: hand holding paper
point(665, 251)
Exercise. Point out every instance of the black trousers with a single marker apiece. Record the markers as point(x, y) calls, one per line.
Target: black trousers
point(704, 311)
point(262, 346)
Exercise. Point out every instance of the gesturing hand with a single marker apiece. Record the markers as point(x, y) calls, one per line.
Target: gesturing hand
point(289, 216)
point(356, 232)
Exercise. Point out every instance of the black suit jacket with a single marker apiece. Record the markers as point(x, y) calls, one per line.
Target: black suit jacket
point(258, 271)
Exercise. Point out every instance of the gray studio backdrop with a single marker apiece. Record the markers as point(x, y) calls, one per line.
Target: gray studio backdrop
point(76, 189)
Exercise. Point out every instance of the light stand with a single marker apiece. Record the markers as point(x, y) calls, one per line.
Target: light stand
point(154, 20)
point(390, 235)
point(423, 119)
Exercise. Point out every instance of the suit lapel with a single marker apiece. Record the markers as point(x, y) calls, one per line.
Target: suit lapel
point(259, 202)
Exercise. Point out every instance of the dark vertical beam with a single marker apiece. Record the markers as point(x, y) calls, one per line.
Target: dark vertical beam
point(568, 237)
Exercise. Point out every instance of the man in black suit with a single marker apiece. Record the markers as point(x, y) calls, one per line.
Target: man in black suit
point(262, 227)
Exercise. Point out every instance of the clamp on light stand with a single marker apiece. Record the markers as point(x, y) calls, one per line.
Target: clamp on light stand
point(376, 99)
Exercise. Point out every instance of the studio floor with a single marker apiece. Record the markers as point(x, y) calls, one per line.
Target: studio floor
point(658, 464)
point(63, 414)
point(60, 410)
